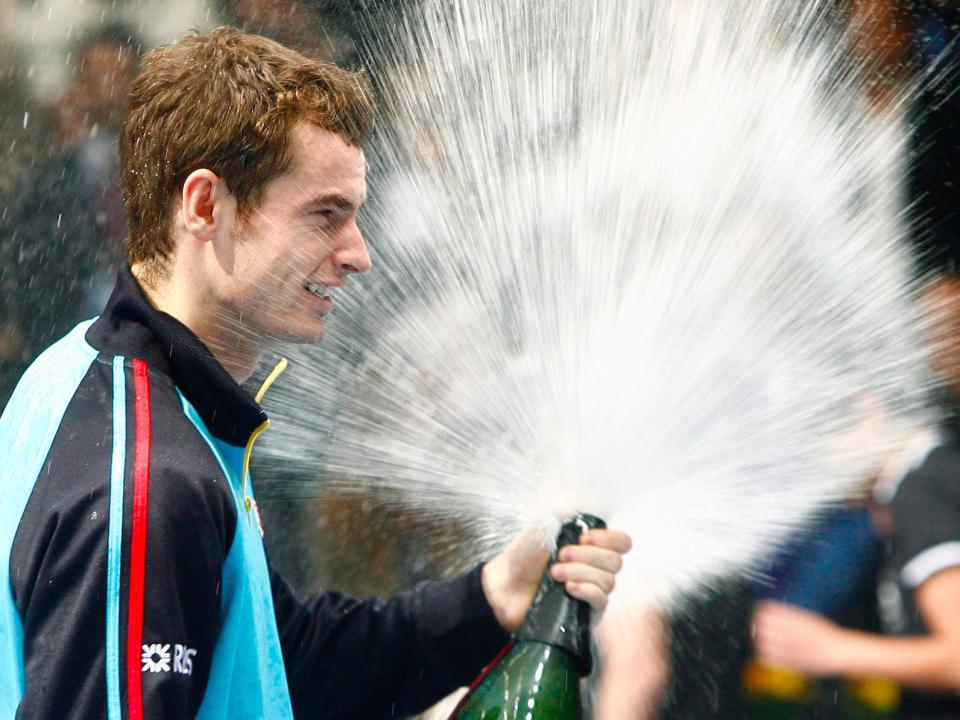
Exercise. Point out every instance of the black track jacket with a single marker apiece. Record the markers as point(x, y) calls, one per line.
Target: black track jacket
point(138, 586)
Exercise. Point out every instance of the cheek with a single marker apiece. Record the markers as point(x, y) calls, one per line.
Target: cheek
point(260, 266)
point(273, 285)
point(276, 262)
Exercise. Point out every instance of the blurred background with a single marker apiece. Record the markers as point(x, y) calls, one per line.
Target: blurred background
point(65, 66)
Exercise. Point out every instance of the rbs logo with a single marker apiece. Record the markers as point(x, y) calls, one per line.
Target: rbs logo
point(156, 658)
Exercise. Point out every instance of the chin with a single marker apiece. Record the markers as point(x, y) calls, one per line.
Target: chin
point(312, 333)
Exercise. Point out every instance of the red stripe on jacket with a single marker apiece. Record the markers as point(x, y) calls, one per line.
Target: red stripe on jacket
point(138, 541)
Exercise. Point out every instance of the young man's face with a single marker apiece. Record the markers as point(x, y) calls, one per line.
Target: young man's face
point(301, 241)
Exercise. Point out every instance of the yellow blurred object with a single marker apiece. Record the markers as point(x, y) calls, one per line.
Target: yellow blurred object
point(877, 693)
point(780, 683)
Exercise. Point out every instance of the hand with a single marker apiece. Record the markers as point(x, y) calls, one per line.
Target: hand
point(587, 571)
point(790, 637)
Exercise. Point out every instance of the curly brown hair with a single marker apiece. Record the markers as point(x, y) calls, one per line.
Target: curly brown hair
point(225, 101)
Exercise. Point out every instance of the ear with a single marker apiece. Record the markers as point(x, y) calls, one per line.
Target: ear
point(206, 206)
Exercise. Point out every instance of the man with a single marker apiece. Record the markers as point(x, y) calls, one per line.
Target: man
point(920, 492)
point(138, 585)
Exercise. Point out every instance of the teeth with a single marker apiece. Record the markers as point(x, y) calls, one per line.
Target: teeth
point(315, 289)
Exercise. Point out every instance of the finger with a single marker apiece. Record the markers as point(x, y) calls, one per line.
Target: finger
point(766, 627)
point(608, 560)
point(610, 539)
point(760, 619)
point(589, 593)
point(773, 608)
point(765, 642)
point(762, 638)
point(579, 573)
point(768, 613)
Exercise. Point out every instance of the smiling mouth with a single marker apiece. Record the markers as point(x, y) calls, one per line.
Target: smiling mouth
point(316, 289)
point(321, 294)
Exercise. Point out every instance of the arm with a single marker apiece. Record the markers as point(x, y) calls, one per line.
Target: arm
point(352, 658)
point(804, 641)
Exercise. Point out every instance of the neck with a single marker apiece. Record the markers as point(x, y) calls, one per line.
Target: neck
point(214, 325)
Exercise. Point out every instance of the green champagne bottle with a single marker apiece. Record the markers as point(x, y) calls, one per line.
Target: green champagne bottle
point(537, 676)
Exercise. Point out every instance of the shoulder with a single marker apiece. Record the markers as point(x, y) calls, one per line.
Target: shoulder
point(108, 427)
point(932, 486)
point(943, 466)
point(926, 518)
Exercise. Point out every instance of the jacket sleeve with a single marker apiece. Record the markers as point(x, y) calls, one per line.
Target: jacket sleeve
point(116, 566)
point(349, 658)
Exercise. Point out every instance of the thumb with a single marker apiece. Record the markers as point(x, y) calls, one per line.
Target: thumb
point(511, 578)
point(529, 551)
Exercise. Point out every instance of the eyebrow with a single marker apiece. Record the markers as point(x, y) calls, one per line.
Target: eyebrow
point(339, 201)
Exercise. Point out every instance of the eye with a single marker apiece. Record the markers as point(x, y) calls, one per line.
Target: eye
point(325, 216)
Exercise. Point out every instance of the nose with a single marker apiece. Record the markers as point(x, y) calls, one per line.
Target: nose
point(351, 256)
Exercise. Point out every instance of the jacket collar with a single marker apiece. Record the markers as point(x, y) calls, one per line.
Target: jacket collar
point(131, 327)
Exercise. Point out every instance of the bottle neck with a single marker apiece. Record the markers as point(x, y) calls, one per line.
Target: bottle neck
point(555, 618)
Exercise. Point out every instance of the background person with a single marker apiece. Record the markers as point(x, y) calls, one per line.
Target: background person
point(921, 487)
